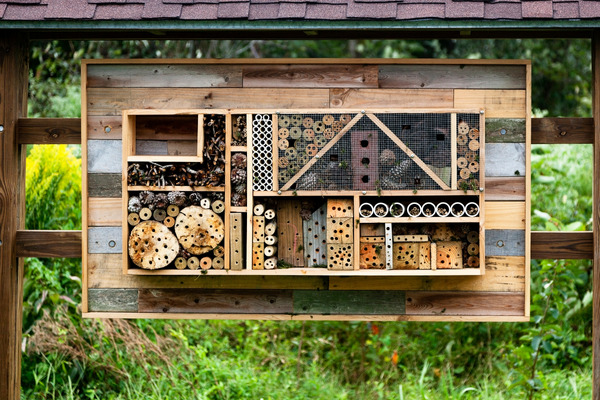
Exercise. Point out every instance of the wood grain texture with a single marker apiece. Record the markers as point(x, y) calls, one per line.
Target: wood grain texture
point(172, 75)
point(310, 76)
point(215, 301)
point(104, 156)
point(562, 245)
point(562, 130)
point(505, 159)
point(497, 103)
point(508, 242)
point(427, 76)
point(503, 274)
point(110, 101)
point(120, 300)
point(349, 302)
point(104, 211)
point(104, 185)
point(505, 130)
point(49, 244)
point(464, 303)
point(104, 127)
point(152, 148)
point(505, 188)
point(505, 215)
point(385, 98)
point(49, 131)
point(105, 239)
point(289, 231)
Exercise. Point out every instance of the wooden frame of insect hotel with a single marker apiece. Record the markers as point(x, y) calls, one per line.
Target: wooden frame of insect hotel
point(304, 189)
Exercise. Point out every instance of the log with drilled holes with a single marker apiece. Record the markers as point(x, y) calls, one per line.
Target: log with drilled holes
point(152, 245)
point(199, 230)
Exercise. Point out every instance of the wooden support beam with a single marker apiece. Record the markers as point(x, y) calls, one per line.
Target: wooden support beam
point(49, 131)
point(562, 130)
point(595, 219)
point(14, 69)
point(561, 245)
point(51, 244)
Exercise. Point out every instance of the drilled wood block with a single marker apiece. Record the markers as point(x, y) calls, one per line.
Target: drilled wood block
point(449, 255)
point(339, 256)
point(410, 238)
point(315, 238)
point(365, 155)
point(425, 255)
point(340, 230)
point(373, 239)
point(389, 246)
point(372, 255)
point(258, 229)
point(258, 256)
point(406, 255)
point(340, 208)
point(236, 242)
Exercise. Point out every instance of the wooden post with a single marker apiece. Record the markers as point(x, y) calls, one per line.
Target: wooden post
point(596, 224)
point(13, 104)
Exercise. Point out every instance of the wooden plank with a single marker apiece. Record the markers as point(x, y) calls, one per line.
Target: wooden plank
point(562, 130)
point(49, 244)
point(215, 301)
point(105, 239)
point(503, 274)
point(427, 76)
point(104, 185)
point(172, 75)
point(104, 211)
point(104, 156)
point(505, 159)
point(349, 302)
point(109, 300)
point(289, 231)
point(151, 147)
point(104, 127)
point(49, 131)
point(314, 232)
point(505, 214)
point(497, 103)
point(562, 245)
point(109, 101)
point(311, 76)
point(383, 98)
point(464, 303)
point(595, 218)
point(505, 188)
point(507, 242)
point(236, 242)
point(505, 130)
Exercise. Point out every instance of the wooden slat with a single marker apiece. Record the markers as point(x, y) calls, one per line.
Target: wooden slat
point(427, 76)
point(104, 211)
point(503, 274)
point(465, 303)
point(104, 127)
point(172, 75)
point(385, 98)
point(562, 245)
point(349, 302)
point(105, 239)
point(505, 159)
point(215, 301)
point(505, 130)
point(151, 148)
point(104, 185)
point(505, 188)
point(107, 300)
point(111, 101)
point(310, 76)
point(596, 218)
point(104, 156)
point(562, 130)
point(49, 131)
point(497, 103)
point(49, 244)
point(505, 215)
point(507, 242)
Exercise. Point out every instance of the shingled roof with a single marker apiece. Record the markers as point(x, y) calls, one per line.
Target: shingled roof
point(297, 10)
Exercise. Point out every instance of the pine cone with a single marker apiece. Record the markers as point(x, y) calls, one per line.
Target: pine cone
point(305, 214)
point(387, 157)
point(241, 189)
point(161, 200)
point(238, 160)
point(195, 198)
point(134, 205)
point(238, 176)
point(177, 198)
point(238, 200)
point(147, 198)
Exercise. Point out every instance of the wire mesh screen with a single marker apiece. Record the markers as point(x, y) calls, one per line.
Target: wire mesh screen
point(468, 144)
point(262, 153)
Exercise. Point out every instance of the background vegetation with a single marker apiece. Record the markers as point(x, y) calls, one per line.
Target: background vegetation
point(69, 358)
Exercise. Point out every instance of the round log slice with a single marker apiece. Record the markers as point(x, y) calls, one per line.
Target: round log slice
point(199, 230)
point(152, 245)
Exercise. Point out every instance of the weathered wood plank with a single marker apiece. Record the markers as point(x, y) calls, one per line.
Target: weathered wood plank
point(504, 130)
point(151, 148)
point(108, 101)
point(120, 300)
point(49, 244)
point(49, 131)
point(349, 302)
point(562, 245)
point(215, 301)
point(104, 211)
point(503, 274)
point(508, 242)
point(497, 103)
point(465, 303)
point(562, 130)
point(289, 231)
point(104, 185)
point(427, 76)
point(315, 237)
point(171, 75)
point(386, 98)
point(505, 215)
point(166, 127)
point(505, 188)
point(105, 239)
point(104, 127)
point(310, 76)
point(505, 159)
point(104, 156)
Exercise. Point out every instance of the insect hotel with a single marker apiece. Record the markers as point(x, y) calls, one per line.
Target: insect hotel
point(363, 190)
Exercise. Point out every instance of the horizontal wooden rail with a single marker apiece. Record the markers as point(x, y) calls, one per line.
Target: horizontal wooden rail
point(562, 130)
point(544, 245)
point(49, 131)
